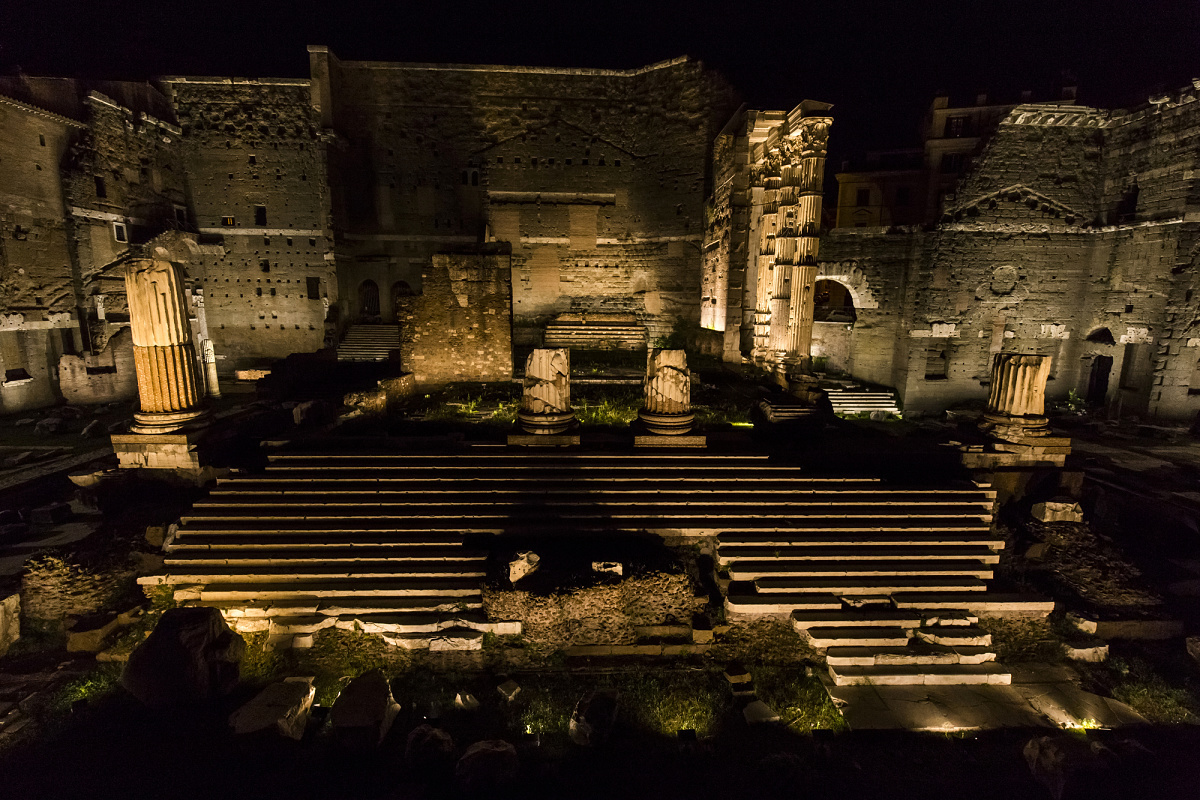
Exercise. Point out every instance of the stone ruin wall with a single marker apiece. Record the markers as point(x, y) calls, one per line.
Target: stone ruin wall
point(1033, 258)
point(460, 327)
point(441, 155)
point(266, 285)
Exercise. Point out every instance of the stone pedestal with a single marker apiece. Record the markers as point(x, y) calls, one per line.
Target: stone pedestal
point(546, 399)
point(1018, 442)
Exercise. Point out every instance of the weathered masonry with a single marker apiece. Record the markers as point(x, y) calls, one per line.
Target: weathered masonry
point(1074, 235)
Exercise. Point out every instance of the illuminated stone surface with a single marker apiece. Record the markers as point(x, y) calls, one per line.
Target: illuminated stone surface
point(282, 707)
point(546, 393)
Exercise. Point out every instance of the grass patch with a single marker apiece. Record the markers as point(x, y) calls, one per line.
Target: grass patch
point(1155, 681)
point(665, 703)
point(800, 700)
point(762, 641)
point(93, 687)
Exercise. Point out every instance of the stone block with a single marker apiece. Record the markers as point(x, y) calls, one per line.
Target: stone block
point(684, 440)
point(1095, 651)
point(88, 634)
point(282, 708)
point(1058, 509)
point(509, 690)
point(524, 564)
point(757, 712)
point(543, 440)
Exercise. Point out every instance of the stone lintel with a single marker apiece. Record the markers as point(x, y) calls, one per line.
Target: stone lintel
point(683, 440)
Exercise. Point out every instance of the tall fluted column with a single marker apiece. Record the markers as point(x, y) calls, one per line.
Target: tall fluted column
point(668, 388)
point(1017, 399)
point(546, 393)
point(163, 354)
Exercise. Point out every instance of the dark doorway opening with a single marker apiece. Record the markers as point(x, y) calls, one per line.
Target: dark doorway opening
point(368, 299)
point(1097, 388)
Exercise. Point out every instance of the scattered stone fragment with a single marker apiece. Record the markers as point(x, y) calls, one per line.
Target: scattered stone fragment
point(735, 673)
point(190, 657)
point(1095, 651)
point(363, 713)
point(608, 567)
point(1082, 623)
point(1193, 648)
point(88, 634)
point(155, 535)
point(524, 564)
point(92, 429)
point(120, 426)
point(49, 425)
point(509, 690)
point(1058, 509)
point(593, 719)
point(282, 707)
point(24, 421)
point(486, 767)
point(466, 701)
point(757, 712)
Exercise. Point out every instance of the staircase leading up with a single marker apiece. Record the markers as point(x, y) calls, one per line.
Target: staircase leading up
point(859, 401)
point(596, 331)
point(369, 343)
point(379, 540)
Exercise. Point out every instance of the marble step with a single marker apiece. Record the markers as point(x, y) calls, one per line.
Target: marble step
point(954, 635)
point(856, 636)
point(881, 585)
point(742, 604)
point(857, 618)
point(729, 555)
point(184, 571)
point(248, 553)
point(941, 533)
point(921, 675)
point(991, 604)
point(321, 589)
point(781, 568)
point(415, 607)
point(860, 656)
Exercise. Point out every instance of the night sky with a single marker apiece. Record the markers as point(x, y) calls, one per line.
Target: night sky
point(880, 63)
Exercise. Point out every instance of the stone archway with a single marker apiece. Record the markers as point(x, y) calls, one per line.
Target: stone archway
point(833, 302)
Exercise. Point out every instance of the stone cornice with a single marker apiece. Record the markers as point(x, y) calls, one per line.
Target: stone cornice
point(41, 112)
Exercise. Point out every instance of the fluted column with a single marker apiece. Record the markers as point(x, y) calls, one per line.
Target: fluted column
point(668, 389)
point(546, 392)
point(1017, 398)
point(803, 151)
point(164, 357)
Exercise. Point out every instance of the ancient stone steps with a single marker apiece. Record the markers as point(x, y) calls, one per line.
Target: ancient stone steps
point(848, 401)
point(940, 534)
point(823, 529)
point(351, 607)
point(185, 571)
point(856, 636)
point(954, 635)
point(1006, 604)
point(780, 568)
point(862, 656)
point(351, 587)
point(740, 556)
point(875, 617)
point(508, 495)
point(874, 586)
point(369, 343)
point(922, 675)
point(265, 553)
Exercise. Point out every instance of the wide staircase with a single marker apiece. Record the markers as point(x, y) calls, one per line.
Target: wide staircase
point(848, 402)
point(379, 541)
point(369, 343)
point(889, 583)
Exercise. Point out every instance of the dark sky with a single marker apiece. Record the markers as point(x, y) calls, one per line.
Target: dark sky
point(878, 62)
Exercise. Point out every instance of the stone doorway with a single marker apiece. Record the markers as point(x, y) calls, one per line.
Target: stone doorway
point(1097, 388)
point(368, 300)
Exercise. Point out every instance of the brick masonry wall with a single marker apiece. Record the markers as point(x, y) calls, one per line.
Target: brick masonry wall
point(255, 158)
point(460, 327)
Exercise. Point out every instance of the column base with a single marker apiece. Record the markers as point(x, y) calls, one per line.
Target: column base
point(1008, 428)
point(546, 424)
point(162, 451)
point(666, 424)
point(159, 422)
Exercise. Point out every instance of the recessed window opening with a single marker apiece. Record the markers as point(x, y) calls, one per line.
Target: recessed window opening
point(120, 232)
point(260, 215)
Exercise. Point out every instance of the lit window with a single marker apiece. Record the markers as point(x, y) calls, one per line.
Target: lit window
point(227, 222)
